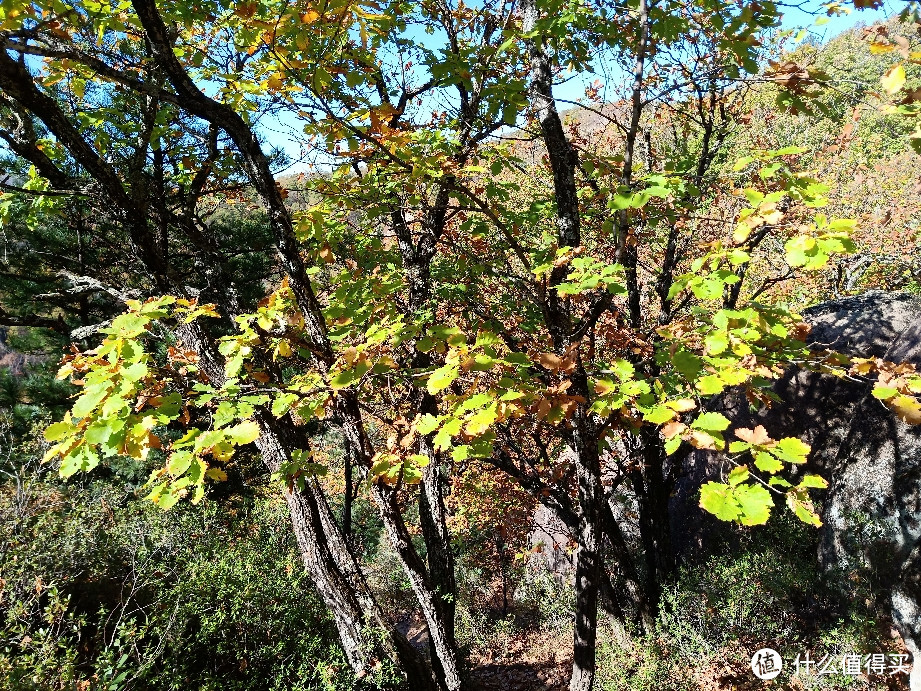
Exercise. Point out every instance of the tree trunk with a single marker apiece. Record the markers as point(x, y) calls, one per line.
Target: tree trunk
point(366, 637)
point(583, 437)
point(653, 492)
point(349, 497)
point(589, 564)
point(385, 496)
point(433, 515)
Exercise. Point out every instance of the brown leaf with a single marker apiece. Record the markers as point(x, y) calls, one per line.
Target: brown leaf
point(673, 429)
point(326, 254)
point(551, 361)
point(702, 440)
point(757, 436)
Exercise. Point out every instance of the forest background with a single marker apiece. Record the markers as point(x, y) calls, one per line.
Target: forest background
point(346, 389)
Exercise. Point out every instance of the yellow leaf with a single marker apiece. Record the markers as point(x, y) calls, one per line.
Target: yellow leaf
point(310, 16)
point(216, 474)
point(741, 233)
point(907, 408)
point(877, 47)
point(682, 405)
point(894, 79)
point(604, 387)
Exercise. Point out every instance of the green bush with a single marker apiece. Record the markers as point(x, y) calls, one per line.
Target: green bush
point(761, 588)
point(101, 590)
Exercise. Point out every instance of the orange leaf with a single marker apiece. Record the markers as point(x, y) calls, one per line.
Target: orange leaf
point(756, 437)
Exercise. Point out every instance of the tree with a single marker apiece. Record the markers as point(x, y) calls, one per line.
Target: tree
point(443, 298)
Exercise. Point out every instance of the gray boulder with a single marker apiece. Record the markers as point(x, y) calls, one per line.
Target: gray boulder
point(872, 460)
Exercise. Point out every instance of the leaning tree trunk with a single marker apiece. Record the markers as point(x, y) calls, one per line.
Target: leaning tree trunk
point(385, 497)
point(290, 260)
point(366, 637)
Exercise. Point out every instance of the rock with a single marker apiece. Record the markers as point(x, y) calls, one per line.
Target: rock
point(549, 541)
point(872, 460)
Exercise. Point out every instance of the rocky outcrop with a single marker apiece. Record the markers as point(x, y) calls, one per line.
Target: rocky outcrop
point(872, 460)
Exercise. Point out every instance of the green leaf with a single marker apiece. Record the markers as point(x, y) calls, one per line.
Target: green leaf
point(179, 463)
point(81, 459)
point(282, 403)
point(135, 372)
point(738, 475)
point(659, 415)
point(426, 424)
point(717, 498)
point(87, 403)
point(814, 481)
point(711, 422)
point(743, 162)
point(881, 392)
point(521, 359)
point(128, 325)
point(791, 450)
point(442, 378)
point(58, 431)
point(716, 342)
point(347, 377)
point(419, 460)
point(710, 385)
point(799, 503)
point(754, 197)
point(755, 502)
point(101, 429)
point(687, 364)
point(767, 463)
point(244, 433)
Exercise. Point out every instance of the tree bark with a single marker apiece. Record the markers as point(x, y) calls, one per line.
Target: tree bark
point(433, 515)
point(653, 489)
point(583, 437)
point(366, 636)
point(385, 497)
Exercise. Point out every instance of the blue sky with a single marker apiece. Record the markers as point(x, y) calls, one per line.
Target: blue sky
point(809, 15)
